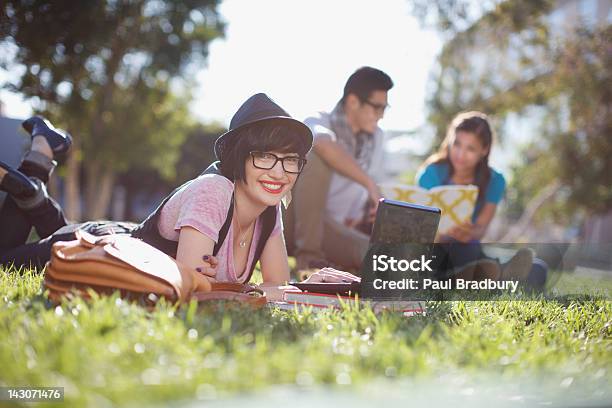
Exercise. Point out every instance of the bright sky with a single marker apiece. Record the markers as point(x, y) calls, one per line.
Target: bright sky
point(301, 52)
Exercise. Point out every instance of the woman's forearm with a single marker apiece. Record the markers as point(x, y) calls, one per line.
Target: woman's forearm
point(479, 231)
point(274, 264)
point(483, 221)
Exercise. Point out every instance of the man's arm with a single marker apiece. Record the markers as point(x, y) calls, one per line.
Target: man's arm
point(345, 164)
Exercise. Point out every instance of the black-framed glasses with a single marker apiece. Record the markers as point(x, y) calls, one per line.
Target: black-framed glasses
point(266, 161)
point(378, 107)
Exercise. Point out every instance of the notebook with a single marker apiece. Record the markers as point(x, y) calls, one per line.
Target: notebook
point(457, 202)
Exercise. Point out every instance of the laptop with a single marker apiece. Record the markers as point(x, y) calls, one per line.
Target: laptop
point(398, 225)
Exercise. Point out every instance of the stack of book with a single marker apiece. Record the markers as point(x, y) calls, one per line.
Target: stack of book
point(319, 301)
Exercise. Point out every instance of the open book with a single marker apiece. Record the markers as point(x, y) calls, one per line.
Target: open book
point(324, 301)
point(457, 202)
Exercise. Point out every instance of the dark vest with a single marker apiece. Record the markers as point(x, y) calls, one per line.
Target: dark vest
point(149, 232)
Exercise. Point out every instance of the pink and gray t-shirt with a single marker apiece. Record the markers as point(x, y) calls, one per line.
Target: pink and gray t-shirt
point(203, 205)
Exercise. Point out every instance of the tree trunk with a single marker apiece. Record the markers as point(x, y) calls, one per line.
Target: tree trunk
point(92, 177)
point(53, 186)
point(107, 181)
point(99, 190)
point(100, 179)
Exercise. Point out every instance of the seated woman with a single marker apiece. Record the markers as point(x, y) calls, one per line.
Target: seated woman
point(463, 158)
point(220, 223)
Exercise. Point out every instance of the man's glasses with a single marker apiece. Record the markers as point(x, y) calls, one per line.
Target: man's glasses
point(266, 161)
point(378, 108)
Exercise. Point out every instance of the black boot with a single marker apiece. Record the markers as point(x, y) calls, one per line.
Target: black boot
point(59, 140)
point(17, 184)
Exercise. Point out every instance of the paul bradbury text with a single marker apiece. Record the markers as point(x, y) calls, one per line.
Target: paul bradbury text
point(458, 284)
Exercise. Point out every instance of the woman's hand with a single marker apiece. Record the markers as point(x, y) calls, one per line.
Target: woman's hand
point(275, 292)
point(462, 233)
point(374, 196)
point(209, 267)
point(331, 275)
point(191, 247)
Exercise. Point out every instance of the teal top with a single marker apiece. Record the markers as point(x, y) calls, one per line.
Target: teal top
point(437, 174)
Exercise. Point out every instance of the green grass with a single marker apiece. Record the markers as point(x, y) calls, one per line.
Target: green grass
point(108, 352)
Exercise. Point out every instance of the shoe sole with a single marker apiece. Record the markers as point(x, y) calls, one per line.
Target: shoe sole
point(519, 266)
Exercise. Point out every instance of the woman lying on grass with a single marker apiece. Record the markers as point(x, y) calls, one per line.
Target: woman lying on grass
point(220, 223)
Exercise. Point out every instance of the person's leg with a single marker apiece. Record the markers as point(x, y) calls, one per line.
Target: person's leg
point(15, 224)
point(41, 211)
point(35, 254)
point(519, 266)
point(48, 145)
point(440, 263)
point(343, 246)
point(45, 216)
point(27, 203)
point(307, 211)
point(536, 280)
point(467, 261)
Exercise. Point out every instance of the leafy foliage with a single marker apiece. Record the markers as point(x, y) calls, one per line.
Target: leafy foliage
point(104, 44)
point(108, 71)
point(584, 76)
point(513, 59)
point(198, 151)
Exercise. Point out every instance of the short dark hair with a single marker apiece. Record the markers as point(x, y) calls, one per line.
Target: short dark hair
point(364, 81)
point(264, 136)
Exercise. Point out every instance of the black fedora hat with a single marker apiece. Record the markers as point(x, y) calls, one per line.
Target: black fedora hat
point(259, 108)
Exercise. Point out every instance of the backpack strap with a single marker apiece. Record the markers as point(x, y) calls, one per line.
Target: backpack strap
point(269, 221)
point(214, 169)
point(268, 218)
point(224, 228)
point(149, 233)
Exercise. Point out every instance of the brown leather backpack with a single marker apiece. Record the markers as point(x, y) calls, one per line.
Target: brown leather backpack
point(136, 269)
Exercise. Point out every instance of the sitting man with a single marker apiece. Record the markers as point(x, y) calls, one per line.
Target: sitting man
point(337, 191)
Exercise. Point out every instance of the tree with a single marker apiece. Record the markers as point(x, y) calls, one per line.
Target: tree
point(580, 151)
point(196, 154)
point(495, 65)
point(450, 17)
point(105, 70)
point(510, 60)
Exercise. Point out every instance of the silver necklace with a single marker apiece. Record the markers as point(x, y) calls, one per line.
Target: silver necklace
point(241, 238)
